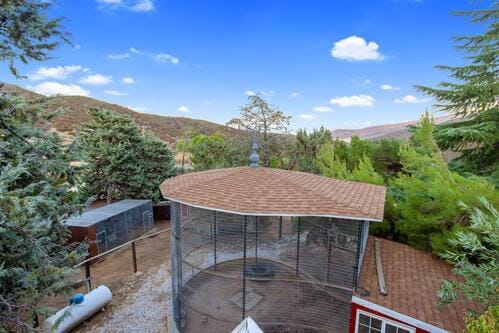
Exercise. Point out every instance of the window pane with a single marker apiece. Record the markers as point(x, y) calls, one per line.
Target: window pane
point(376, 323)
point(401, 330)
point(373, 330)
point(390, 329)
point(364, 319)
point(363, 329)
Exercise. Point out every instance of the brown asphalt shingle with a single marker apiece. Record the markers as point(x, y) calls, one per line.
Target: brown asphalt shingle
point(266, 191)
point(412, 280)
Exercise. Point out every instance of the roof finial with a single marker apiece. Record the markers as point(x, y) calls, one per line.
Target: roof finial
point(254, 156)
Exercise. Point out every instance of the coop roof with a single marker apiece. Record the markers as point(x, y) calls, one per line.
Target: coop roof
point(265, 191)
point(97, 215)
point(412, 280)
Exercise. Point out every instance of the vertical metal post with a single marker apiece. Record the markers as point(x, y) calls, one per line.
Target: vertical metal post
point(134, 257)
point(256, 238)
point(329, 246)
point(244, 266)
point(215, 232)
point(280, 227)
point(298, 245)
point(88, 278)
point(357, 255)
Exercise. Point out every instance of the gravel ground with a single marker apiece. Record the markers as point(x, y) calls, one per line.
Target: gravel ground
point(139, 305)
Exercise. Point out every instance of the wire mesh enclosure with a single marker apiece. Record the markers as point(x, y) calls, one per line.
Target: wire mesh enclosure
point(290, 274)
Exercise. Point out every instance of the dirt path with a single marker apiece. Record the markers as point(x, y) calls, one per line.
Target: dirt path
point(139, 305)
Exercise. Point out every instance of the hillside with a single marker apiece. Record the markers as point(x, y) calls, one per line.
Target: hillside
point(387, 131)
point(74, 113)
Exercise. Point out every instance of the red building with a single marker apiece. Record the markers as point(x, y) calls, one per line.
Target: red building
point(407, 303)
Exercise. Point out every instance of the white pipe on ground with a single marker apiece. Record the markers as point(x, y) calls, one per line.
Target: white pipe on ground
point(73, 315)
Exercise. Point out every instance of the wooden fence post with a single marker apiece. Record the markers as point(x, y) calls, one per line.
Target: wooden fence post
point(134, 257)
point(88, 278)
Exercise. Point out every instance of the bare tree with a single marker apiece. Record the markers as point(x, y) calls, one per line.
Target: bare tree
point(266, 119)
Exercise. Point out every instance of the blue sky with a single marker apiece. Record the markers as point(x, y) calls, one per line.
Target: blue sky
point(341, 64)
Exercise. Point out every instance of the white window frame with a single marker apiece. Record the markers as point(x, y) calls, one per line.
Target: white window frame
point(384, 321)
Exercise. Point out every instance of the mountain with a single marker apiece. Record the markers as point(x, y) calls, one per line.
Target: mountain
point(74, 114)
point(388, 131)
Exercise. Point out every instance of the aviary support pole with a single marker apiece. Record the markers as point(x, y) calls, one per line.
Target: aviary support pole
point(298, 245)
point(215, 232)
point(280, 227)
point(245, 220)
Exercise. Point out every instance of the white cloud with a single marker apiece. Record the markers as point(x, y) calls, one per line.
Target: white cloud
point(127, 80)
point(143, 6)
point(367, 123)
point(306, 116)
point(115, 93)
point(261, 92)
point(294, 94)
point(355, 100)
point(356, 49)
point(323, 109)
point(165, 57)
point(56, 88)
point(411, 100)
point(96, 79)
point(267, 93)
point(134, 50)
point(184, 109)
point(133, 5)
point(389, 87)
point(58, 72)
point(137, 108)
point(77, 46)
point(118, 56)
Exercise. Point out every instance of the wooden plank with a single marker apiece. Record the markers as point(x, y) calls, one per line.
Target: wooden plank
point(379, 268)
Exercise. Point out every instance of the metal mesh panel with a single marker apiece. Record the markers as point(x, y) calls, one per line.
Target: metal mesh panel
point(290, 274)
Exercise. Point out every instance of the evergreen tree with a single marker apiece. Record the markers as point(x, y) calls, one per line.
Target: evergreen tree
point(423, 201)
point(475, 253)
point(26, 34)
point(329, 164)
point(157, 164)
point(36, 195)
point(473, 96)
point(364, 172)
point(120, 162)
point(209, 152)
point(307, 146)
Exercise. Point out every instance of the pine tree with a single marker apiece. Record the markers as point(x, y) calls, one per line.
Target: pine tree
point(26, 34)
point(473, 96)
point(475, 254)
point(36, 195)
point(119, 161)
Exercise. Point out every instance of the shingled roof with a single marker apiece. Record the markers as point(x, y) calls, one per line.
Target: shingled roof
point(265, 191)
point(412, 279)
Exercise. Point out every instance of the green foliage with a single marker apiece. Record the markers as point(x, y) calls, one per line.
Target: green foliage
point(36, 194)
point(473, 94)
point(488, 322)
point(329, 164)
point(26, 34)
point(422, 202)
point(120, 162)
point(364, 172)
point(386, 158)
point(475, 253)
point(208, 152)
point(307, 146)
point(267, 120)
